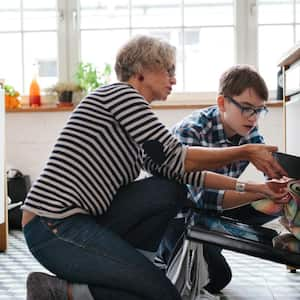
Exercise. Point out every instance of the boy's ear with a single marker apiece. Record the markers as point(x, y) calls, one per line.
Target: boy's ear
point(221, 103)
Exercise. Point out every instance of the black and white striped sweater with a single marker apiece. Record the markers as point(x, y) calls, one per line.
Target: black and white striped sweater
point(108, 139)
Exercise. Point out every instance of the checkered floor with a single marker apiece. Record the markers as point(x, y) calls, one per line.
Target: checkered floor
point(252, 278)
point(258, 279)
point(15, 264)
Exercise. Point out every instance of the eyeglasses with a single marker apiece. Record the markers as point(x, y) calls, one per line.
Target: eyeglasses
point(171, 72)
point(247, 111)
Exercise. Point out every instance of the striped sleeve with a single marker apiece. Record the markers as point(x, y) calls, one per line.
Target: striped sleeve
point(134, 114)
point(195, 179)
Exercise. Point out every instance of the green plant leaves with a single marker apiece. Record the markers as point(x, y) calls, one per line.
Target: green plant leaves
point(88, 77)
point(9, 90)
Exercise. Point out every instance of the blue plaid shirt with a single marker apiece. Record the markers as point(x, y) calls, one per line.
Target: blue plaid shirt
point(204, 128)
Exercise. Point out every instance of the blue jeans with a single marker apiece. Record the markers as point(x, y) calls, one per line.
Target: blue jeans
point(101, 252)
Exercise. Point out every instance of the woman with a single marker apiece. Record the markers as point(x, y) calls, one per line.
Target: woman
point(86, 216)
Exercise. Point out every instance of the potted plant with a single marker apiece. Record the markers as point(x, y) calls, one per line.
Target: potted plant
point(64, 92)
point(88, 77)
point(12, 97)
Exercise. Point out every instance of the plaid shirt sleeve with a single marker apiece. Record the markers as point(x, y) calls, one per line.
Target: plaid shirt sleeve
point(197, 130)
point(192, 131)
point(207, 199)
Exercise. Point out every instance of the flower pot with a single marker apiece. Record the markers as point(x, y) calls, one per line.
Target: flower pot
point(65, 98)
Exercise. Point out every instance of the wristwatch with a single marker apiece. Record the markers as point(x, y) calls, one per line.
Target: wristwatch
point(240, 186)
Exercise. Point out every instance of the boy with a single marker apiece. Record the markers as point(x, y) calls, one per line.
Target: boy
point(233, 121)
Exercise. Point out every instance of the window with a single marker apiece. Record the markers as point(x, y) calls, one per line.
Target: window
point(196, 28)
point(210, 35)
point(28, 34)
point(278, 30)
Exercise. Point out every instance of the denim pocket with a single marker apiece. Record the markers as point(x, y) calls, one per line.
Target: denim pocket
point(28, 223)
point(52, 224)
point(37, 234)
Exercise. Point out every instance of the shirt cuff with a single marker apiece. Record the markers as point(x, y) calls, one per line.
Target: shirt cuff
point(220, 200)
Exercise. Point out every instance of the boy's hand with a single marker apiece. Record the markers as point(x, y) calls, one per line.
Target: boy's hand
point(275, 190)
point(279, 186)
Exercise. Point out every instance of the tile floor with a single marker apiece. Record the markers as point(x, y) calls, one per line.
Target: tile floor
point(15, 264)
point(253, 279)
point(257, 279)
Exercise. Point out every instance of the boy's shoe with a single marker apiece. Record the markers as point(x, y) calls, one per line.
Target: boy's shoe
point(205, 295)
point(41, 286)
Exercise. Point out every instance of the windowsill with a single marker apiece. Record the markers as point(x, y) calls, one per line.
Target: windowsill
point(170, 104)
point(42, 108)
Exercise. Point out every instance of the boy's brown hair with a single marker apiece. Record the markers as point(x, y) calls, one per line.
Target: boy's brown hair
point(238, 78)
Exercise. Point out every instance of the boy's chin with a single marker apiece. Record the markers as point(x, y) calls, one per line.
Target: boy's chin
point(243, 132)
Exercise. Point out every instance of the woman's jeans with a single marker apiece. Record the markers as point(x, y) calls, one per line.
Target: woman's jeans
point(101, 252)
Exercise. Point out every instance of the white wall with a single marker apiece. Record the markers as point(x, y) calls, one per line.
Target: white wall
point(30, 136)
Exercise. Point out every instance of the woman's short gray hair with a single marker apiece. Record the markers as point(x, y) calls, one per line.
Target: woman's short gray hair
point(143, 52)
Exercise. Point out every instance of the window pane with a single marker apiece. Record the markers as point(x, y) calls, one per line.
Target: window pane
point(275, 11)
point(10, 59)
point(298, 33)
point(204, 60)
point(40, 20)
point(298, 11)
point(273, 42)
point(10, 21)
point(159, 17)
point(10, 4)
point(108, 14)
point(208, 12)
point(36, 4)
point(89, 3)
point(105, 52)
point(151, 14)
point(164, 19)
point(41, 48)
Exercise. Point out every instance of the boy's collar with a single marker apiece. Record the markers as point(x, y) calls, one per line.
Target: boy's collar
point(234, 140)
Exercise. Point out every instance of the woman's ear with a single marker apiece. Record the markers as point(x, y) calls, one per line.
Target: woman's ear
point(141, 77)
point(221, 103)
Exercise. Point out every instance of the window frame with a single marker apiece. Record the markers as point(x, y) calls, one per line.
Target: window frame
point(245, 30)
point(245, 33)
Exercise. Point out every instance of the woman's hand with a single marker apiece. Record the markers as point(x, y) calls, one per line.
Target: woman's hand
point(261, 157)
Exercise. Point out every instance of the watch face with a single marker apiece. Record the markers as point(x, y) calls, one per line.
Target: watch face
point(290, 163)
